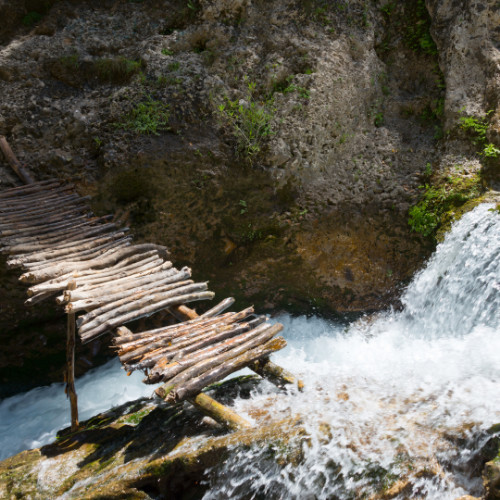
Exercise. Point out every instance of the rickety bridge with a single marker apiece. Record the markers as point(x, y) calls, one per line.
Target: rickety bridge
point(92, 268)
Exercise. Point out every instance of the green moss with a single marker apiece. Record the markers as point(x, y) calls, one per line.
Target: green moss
point(135, 418)
point(440, 202)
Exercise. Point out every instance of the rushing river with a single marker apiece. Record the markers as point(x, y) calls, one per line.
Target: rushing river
point(386, 397)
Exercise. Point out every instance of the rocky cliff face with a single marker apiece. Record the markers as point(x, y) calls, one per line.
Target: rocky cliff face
point(273, 146)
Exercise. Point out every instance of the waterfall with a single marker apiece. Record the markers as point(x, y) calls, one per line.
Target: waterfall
point(388, 398)
point(400, 399)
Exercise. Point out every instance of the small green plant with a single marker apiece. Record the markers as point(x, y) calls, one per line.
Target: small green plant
point(476, 127)
point(31, 18)
point(167, 52)
point(248, 120)
point(243, 207)
point(174, 66)
point(146, 117)
point(490, 151)
point(378, 119)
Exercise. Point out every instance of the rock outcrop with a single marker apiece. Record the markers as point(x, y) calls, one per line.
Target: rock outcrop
point(275, 147)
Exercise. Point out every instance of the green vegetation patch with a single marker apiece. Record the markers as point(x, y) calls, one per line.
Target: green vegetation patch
point(440, 202)
point(116, 70)
point(146, 117)
point(248, 120)
point(477, 128)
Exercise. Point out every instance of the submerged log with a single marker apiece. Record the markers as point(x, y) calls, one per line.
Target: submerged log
point(194, 386)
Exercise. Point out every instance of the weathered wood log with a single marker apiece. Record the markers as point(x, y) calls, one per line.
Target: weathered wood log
point(107, 259)
point(275, 374)
point(90, 291)
point(84, 248)
point(125, 342)
point(37, 237)
point(69, 204)
point(45, 205)
point(119, 298)
point(14, 162)
point(186, 346)
point(140, 300)
point(194, 386)
point(39, 232)
point(30, 251)
point(97, 283)
point(59, 283)
point(184, 330)
point(30, 188)
point(41, 220)
point(182, 370)
point(169, 345)
point(35, 299)
point(83, 256)
point(128, 286)
point(27, 225)
point(220, 307)
point(70, 367)
point(266, 368)
point(219, 412)
point(146, 311)
point(16, 204)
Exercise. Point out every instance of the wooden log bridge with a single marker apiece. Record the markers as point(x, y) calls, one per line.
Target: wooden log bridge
point(91, 267)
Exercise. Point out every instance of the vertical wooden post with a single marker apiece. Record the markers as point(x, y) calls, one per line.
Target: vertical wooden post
point(15, 164)
point(70, 366)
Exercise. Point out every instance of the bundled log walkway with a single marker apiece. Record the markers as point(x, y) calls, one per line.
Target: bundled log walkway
point(92, 268)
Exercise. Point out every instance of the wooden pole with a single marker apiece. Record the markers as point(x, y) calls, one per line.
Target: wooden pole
point(70, 366)
point(21, 172)
point(219, 412)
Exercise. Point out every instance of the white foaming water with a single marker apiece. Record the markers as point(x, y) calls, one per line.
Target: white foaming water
point(384, 395)
point(32, 419)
